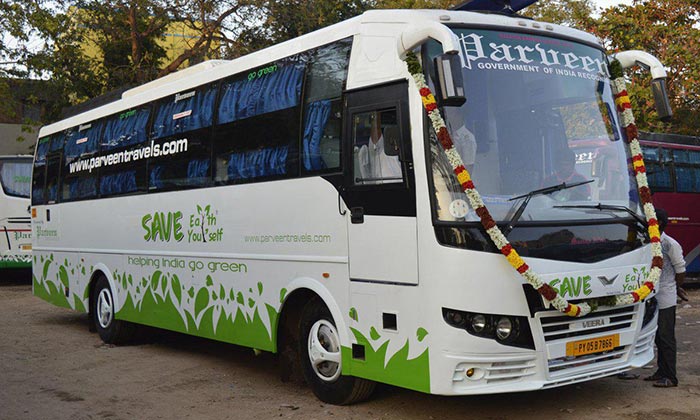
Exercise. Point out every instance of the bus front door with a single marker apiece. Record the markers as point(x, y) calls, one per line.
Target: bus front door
point(379, 187)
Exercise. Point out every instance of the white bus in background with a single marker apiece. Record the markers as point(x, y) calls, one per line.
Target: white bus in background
point(294, 201)
point(15, 223)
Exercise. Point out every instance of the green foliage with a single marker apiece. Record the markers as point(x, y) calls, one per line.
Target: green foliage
point(667, 29)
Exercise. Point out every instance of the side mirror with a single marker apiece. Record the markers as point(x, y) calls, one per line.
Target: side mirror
point(663, 107)
point(658, 73)
point(450, 85)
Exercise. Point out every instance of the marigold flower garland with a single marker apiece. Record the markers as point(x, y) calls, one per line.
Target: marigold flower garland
point(464, 178)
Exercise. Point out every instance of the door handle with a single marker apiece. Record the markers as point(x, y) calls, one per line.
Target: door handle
point(357, 215)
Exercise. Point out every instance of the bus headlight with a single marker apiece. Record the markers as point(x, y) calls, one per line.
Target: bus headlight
point(504, 328)
point(479, 323)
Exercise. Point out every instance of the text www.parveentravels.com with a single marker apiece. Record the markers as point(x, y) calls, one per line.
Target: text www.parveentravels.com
point(304, 238)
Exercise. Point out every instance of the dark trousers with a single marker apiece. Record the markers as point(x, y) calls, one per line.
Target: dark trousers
point(666, 344)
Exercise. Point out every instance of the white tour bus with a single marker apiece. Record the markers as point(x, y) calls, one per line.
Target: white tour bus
point(15, 179)
point(295, 201)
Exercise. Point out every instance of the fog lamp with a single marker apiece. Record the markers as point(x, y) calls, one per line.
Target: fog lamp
point(504, 328)
point(478, 323)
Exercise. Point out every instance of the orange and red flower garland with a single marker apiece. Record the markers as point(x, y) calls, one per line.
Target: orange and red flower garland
point(464, 178)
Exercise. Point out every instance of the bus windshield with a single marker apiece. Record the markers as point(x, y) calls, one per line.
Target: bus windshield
point(539, 113)
point(16, 177)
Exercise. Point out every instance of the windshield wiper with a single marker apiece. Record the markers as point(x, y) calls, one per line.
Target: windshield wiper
point(641, 222)
point(528, 196)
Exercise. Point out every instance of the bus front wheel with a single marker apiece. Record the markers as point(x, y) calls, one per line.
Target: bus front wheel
point(111, 330)
point(320, 353)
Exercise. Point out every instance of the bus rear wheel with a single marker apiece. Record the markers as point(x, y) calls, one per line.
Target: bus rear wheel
point(320, 352)
point(111, 330)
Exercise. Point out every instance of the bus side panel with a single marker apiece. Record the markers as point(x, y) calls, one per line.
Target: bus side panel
point(215, 263)
point(61, 279)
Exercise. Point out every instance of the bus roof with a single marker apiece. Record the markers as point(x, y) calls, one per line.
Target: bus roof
point(368, 24)
point(666, 139)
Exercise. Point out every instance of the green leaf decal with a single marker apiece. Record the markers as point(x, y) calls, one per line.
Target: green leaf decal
point(251, 302)
point(202, 301)
point(240, 299)
point(260, 288)
point(232, 295)
point(207, 208)
point(421, 333)
point(83, 270)
point(154, 280)
point(191, 292)
point(210, 281)
point(283, 293)
point(353, 314)
point(374, 334)
point(63, 274)
point(214, 296)
point(222, 291)
point(199, 208)
point(47, 264)
point(176, 288)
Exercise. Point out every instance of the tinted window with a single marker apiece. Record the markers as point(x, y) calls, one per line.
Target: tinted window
point(39, 173)
point(181, 155)
point(687, 179)
point(16, 177)
point(258, 126)
point(125, 140)
point(79, 180)
point(125, 129)
point(328, 71)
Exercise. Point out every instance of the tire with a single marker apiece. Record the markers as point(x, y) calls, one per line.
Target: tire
point(111, 331)
point(320, 342)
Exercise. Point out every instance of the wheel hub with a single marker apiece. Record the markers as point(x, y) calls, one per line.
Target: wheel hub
point(324, 350)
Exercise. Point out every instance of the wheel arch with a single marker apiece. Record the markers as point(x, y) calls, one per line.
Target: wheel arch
point(299, 292)
point(101, 270)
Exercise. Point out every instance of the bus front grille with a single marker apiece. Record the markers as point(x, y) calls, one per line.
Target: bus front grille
point(563, 327)
point(558, 331)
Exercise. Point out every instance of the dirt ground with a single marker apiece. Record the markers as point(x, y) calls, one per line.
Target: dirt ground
point(51, 367)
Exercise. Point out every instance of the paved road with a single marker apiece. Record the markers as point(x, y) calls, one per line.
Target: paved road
point(51, 367)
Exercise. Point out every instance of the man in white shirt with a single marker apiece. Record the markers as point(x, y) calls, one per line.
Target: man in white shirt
point(672, 276)
point(375, 165)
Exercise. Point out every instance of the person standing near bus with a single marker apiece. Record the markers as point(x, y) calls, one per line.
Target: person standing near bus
point(672, 277)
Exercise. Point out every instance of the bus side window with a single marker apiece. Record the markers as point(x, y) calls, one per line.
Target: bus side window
point(77, 180)
point(124, 136)
point(375, 145)
point(325, 80)
point(258, 123)
point(181, 155)
point(53, 167)
point(39, 171)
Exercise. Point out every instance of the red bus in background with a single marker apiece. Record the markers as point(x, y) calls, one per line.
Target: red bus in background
point(673, 170)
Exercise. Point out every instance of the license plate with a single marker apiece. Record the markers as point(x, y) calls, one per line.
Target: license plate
point(594, 345)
